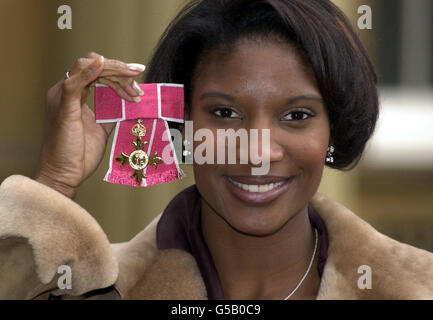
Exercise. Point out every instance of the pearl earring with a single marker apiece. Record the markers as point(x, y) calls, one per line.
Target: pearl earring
point(186, 144)
point(330, 154)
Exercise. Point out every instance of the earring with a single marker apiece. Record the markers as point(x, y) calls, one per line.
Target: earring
point(330, 154)
point(186, 144)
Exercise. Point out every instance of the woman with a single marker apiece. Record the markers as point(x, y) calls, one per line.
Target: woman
point(294, 67)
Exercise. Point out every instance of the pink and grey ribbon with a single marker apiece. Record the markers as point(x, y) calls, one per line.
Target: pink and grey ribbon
point(161, 102)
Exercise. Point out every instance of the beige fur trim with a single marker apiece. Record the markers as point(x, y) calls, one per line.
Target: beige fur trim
point(59, 232)
point(399, 271)
point(149, 273)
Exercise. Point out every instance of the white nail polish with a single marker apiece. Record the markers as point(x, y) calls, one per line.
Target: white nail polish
point(136, 67)
point(138, 88)
point(137, 99)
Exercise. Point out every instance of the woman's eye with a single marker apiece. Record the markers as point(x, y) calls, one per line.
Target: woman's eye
point(225, 113)
point(297, 116)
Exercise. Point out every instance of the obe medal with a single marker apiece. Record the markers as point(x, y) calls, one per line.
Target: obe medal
point(139, 159)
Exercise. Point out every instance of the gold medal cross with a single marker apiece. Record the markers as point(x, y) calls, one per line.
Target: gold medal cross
point(138, 159)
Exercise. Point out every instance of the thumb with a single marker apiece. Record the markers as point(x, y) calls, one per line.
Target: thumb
point(90, 73)
point(74, 86)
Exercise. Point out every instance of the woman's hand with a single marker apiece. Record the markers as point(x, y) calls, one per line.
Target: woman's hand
point(74, 143)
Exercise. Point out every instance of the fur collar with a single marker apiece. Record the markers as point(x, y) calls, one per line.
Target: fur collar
point(398, 271)
point(58, 231)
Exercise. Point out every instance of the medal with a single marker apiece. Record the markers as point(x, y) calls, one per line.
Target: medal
point(142, 163)
point(138, 159)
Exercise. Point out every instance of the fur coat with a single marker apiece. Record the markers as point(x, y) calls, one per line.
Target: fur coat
point(40, 229)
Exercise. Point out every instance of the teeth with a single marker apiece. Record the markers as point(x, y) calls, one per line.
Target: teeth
point(263, 188)
point(257, 188)
point(253, 188)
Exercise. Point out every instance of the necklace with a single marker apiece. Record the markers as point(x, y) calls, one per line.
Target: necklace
point(308, 270)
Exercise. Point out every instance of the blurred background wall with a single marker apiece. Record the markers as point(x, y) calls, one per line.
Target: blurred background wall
point(392, 188)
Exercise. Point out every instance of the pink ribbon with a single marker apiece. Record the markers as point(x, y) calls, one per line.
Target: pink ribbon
point(160, 103)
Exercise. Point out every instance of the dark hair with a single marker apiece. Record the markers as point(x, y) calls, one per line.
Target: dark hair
point(344, 73)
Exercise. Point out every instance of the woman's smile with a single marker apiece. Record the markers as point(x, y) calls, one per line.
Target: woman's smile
point(257, 190)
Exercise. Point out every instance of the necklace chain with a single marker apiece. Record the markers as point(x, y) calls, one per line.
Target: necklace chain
point(309, 267)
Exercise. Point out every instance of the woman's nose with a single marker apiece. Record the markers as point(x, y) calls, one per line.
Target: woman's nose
point(264, 145)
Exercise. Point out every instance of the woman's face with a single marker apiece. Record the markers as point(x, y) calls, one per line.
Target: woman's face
point(260, 85)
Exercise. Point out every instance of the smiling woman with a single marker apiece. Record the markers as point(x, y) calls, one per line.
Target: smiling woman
point(295, 68)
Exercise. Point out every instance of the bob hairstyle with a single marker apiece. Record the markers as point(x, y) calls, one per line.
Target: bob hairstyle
point(319, 29)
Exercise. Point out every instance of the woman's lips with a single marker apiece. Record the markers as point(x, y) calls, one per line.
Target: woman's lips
point(257, 189)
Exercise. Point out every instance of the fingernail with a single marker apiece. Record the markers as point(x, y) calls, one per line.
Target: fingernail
point(137, 99)
point(97, 63)
point(100, 60)
point(138, 88)
point(136, 67)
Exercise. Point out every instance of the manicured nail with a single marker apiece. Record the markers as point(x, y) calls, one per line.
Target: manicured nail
point(100, 60)
point(136, 67)
point(137, 99)
point(97, 63)
point(138, 88)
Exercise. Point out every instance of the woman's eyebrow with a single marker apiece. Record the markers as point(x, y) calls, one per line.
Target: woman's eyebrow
point(304, 97)
point(216, 94)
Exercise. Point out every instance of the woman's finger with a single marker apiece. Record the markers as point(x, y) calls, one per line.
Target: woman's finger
point(111, 67)
point(89, 116)
point(130, 86)
point(119, 68)
point(118, 65)
point(85, 94)
point(116, 87)
point(93, 55)
point(75, 85)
